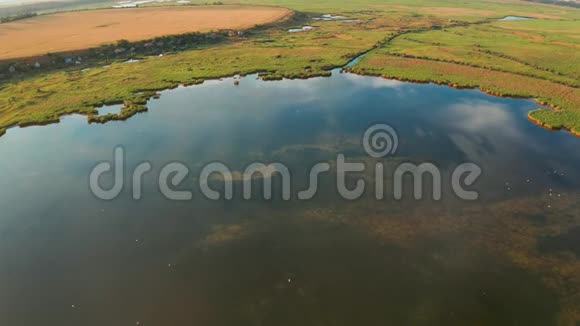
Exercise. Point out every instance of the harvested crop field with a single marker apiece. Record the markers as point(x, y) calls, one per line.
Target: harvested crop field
point(71, 31)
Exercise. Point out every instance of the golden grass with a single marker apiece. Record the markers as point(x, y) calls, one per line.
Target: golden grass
point(71, 31)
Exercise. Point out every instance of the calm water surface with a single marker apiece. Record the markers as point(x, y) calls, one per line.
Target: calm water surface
point(512, 18)
point(67, 258)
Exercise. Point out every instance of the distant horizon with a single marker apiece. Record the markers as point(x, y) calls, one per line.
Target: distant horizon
point(8, 3)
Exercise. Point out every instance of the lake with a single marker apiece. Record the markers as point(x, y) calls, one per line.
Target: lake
point(69, 258)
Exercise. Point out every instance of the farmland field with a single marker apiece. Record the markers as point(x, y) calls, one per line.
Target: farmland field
point(79, 30)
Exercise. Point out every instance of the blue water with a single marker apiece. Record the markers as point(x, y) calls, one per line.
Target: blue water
point(110, 109)
point(155, 261)
point(516, 18)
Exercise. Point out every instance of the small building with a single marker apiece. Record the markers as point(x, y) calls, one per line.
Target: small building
point(233, 33)
point(68, 60)
point(37, 65)
point(119, 50)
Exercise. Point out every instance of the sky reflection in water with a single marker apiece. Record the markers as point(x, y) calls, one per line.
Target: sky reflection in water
point(157, 261)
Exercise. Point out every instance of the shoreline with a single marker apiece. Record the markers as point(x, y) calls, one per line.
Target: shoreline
point(139, 105)
point(550, 127)
point(484, 90)
point(136, 101)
